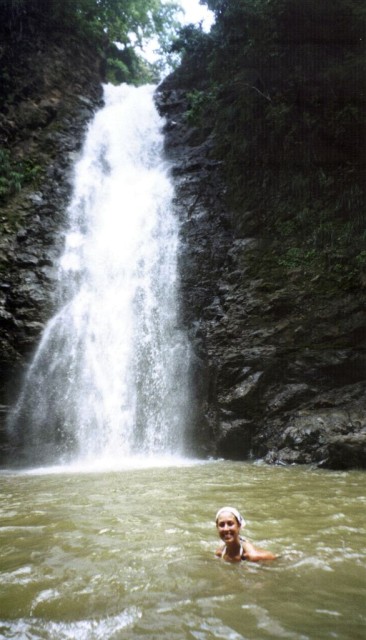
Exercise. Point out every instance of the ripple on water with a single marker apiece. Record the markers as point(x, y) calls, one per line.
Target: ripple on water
point(20, 576)
point(38, 629)
point(130, 555)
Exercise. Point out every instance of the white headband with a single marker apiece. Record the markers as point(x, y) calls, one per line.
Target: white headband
point(235, 513)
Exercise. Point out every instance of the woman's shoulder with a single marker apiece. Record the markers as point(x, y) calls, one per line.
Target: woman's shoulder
point(254, 554)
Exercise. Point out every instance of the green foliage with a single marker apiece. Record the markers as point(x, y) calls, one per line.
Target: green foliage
point(296, 257)
point(190, 40)
point(361, 260)
point(200, 103)
point(197, 102)
point(126, 66)
point(289, 117)
point(14, 175)
point(131, 23)
point(117, 71)
point(191, 47)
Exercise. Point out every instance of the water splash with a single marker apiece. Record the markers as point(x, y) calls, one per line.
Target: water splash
point(109, 378)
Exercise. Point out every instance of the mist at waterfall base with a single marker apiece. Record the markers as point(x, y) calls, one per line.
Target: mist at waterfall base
point(109, 379)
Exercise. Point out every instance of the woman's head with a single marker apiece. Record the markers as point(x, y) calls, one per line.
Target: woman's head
point(234, 512)
point(228, 523)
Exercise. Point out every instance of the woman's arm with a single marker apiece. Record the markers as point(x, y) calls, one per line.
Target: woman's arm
point(253, 554)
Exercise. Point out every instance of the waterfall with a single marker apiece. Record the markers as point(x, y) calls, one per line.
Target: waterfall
point(110, 376)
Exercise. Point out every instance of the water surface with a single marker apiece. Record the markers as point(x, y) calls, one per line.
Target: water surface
point(129, 554)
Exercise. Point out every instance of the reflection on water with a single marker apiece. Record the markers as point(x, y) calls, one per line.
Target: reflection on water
point(130, 554)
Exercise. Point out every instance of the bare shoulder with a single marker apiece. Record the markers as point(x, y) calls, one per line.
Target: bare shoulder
point(218, 552)
point(254, 554)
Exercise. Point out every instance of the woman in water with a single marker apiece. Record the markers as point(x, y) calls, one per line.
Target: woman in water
point(228, 524)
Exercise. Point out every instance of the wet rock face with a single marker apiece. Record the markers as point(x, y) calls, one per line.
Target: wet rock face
point(57, 89)
point(278, 367)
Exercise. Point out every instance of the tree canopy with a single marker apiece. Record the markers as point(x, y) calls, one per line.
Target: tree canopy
point(130, 23)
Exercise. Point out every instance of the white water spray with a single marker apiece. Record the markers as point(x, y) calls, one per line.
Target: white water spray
point(109, 379)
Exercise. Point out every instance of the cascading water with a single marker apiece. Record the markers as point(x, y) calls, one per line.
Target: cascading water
point(109, 378)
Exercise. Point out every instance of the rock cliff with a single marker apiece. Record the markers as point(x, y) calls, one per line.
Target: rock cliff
point(278, 366)
point(279, 361)
point(53, 88)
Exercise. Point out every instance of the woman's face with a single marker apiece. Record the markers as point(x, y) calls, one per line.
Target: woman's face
point(228, 527)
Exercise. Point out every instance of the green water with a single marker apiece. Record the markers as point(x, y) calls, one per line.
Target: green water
point(130, 554)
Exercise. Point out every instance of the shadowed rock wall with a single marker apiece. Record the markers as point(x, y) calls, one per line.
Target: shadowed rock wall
point(279, 365)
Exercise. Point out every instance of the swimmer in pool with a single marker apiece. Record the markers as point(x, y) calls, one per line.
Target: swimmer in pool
point(235, 548)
